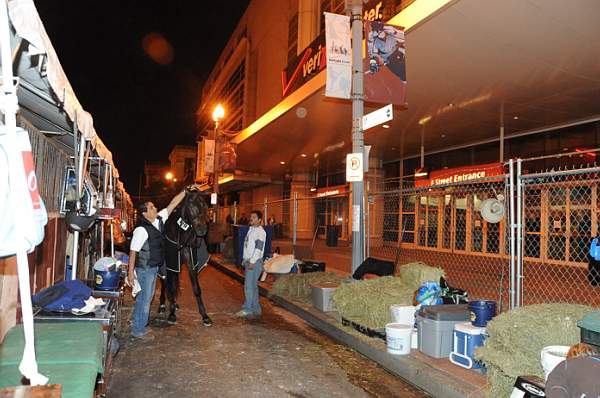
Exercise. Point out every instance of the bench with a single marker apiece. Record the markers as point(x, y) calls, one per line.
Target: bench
point(68, 353)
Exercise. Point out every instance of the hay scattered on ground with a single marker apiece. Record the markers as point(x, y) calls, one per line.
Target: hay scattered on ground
point(414, 274)
point(299, 286)
point(516, 339)
point(368, 302)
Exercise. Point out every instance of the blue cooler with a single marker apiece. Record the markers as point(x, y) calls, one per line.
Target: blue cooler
point(466, 338)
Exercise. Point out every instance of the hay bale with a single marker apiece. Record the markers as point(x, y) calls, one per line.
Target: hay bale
point(415, 274)
point(517, 337)
point(368, 302)
point(299, 286)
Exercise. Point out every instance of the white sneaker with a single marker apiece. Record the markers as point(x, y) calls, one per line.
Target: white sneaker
point(242, 314)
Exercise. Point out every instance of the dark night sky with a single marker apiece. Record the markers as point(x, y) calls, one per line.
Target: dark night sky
point(141, 108)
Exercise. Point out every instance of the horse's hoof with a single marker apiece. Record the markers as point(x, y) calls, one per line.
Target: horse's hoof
point(207, 322)
point(162, 308)
point(172, 319)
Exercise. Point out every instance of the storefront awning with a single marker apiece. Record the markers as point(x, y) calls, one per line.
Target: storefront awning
point(535, 59)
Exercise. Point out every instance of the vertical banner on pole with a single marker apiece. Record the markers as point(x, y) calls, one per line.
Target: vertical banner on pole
point(339, 56)
point(385, 66)
point(209, 156)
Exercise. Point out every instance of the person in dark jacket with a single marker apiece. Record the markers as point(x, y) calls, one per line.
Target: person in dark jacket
point(146, 255)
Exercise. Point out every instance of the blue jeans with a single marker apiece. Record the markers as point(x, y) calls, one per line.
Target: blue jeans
point(147, 279)
point(251, 305)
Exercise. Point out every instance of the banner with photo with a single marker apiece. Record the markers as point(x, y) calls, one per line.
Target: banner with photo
point(339, 55)
point(384, 64)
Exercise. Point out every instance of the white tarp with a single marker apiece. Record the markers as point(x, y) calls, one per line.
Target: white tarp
point(27, 23)
point(339, 56)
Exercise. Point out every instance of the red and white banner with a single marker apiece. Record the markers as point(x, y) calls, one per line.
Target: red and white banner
point(466, 174)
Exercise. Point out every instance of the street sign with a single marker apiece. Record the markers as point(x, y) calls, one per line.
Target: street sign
point(213, 198)
point(354, 167)
point(379, 116)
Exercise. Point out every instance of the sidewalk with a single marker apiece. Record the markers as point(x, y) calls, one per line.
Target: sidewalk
point(438, 377)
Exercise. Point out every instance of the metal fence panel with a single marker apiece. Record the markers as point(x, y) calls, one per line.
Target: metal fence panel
point(560, 217)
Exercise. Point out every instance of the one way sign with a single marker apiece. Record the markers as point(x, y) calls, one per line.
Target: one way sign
point(379, 116)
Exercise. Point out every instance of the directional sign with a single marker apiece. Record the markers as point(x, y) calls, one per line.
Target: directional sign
point(354, 167)
point(379, 116)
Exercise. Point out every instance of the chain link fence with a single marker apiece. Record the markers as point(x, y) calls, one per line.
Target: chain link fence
point(560, 218)
point(443, 226)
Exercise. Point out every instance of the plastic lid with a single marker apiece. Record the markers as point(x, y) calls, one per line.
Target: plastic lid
point(446, 312)
point(590, 322)
point(469, 328)
point(400, 326)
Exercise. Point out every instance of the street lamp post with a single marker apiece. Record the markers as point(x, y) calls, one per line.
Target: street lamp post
point(217, 115)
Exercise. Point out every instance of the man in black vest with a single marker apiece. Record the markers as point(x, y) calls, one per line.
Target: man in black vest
point(147, 255)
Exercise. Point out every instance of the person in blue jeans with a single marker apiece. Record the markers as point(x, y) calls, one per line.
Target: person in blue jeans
point(146, 255)
point(252, 255)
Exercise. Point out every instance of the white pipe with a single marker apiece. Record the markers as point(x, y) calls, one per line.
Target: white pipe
point(9, 102)
point(74, 255)
point(112, 241)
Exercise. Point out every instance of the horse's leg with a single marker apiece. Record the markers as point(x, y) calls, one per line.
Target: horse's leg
point(172, 289)
point(163, 296)
point(198, 294)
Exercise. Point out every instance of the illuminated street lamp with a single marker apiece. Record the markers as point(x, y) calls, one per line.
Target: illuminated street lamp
point(218, 113)
point(169, 176)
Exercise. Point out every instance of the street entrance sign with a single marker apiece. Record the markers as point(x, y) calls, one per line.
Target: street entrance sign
point(379, 116)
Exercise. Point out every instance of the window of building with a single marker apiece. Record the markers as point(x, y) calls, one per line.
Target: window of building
point(292, 38)
point(333, 6)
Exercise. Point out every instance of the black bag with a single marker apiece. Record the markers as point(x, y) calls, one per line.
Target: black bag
point(374, 266)
point(594, 272)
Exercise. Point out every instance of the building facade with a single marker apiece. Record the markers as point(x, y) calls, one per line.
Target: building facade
point(482, 87)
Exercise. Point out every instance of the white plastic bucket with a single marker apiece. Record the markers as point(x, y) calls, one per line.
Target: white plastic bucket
point(398, 337)
point(402, 314)
point(552, 356)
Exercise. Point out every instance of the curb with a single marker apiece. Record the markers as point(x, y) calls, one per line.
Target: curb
point(410, 368)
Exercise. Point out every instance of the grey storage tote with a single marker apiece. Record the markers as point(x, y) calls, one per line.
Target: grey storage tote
point(435, 324)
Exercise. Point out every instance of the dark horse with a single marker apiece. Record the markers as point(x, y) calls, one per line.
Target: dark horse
point(184, 244)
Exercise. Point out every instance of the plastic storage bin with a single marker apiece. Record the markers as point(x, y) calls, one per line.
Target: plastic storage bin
point(466, 338)
point(435, 324)
point(322, 294)
point(590, 329)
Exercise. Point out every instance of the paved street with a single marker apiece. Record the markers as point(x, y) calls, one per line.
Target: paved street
point(277, 356)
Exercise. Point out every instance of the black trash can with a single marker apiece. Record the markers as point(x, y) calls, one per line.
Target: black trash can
point(332, 235)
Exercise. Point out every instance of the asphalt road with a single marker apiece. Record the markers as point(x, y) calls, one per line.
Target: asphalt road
point(277, 356)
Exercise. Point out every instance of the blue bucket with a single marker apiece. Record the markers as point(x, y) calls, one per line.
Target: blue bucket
point(482, 311)
point(107, 280)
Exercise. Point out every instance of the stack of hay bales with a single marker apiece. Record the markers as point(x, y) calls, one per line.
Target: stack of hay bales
point(415, 274)
point(299, 286)
point(368, 302)
point(516, 339)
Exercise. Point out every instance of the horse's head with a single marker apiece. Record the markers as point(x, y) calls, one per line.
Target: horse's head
point(194, 211)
